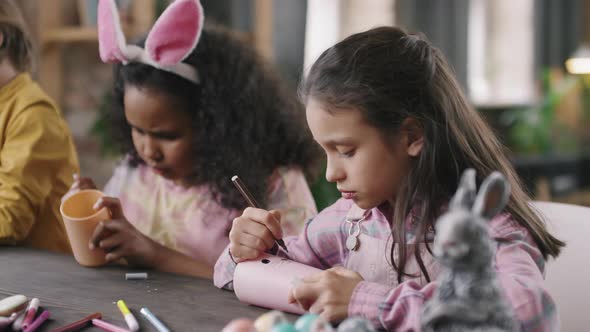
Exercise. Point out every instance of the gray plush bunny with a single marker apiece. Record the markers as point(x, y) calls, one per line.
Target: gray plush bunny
point(468, 297)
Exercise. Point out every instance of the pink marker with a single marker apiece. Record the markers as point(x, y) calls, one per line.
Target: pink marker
point(37, 322)
point(79, 324)
point(107, 326)
point(30, 312)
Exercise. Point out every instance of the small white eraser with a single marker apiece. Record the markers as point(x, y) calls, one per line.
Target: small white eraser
point(136, 276)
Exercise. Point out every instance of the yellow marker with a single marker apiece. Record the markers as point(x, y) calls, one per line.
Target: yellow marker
point(129, 318)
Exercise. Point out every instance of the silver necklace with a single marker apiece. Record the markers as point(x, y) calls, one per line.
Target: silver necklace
point(352, 240)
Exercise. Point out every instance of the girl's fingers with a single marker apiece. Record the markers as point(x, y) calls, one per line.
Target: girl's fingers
point(241, 253)
point(105, 229)
point(243, 226)
point(312, 279)
point(86, 183)
point(317, 308)
point(342, 271)
point(115, 240)
point(254, 242)
point(306, 291)
point(245, 246)
point(82, 182)
point(258, 236)
point(250, 234)
point(97, 235)
point(111, 203)
point(115, 225)
point(304, 294)
point(114, 255)
point(265, 218)
point(277, 216)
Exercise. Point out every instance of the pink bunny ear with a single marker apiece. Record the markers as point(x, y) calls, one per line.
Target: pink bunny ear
point(111, 41)
point(176, 32)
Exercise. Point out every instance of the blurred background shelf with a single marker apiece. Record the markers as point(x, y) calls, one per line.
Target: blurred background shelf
point(69, 35)
point(542, 114)
point(60, 23)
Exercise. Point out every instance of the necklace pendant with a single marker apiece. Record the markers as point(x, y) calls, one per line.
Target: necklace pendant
point(352, 243)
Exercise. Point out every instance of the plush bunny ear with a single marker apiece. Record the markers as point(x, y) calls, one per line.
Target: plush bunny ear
point(111, 41)
point(176, 33)
point(465, 194)
point(492, 196)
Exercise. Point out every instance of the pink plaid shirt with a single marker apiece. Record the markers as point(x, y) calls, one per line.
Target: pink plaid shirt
point(388, 305)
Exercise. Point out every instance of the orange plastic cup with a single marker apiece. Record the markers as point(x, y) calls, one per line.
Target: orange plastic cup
point(80, 220)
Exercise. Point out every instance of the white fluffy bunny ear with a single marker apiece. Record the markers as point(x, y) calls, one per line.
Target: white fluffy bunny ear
point(492, 196)
point(465, 194)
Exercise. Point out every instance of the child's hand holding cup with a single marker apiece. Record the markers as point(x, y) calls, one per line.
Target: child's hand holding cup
point(80, 219)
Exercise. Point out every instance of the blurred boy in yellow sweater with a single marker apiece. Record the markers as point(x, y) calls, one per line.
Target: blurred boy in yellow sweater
point(37, 154)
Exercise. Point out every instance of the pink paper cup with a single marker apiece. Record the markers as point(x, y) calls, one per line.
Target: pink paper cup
point(80, 220)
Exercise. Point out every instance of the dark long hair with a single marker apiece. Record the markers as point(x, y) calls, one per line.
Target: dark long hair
point(390, 75)
point(17, 44)
point(245, 120)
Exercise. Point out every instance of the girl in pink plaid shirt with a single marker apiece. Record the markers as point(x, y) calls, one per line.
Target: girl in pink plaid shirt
point(397, 131)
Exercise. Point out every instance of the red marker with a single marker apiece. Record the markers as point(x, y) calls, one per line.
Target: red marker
point(75, 326)
point(107, 326)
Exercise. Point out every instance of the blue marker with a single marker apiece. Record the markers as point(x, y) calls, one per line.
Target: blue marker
point(154, 320)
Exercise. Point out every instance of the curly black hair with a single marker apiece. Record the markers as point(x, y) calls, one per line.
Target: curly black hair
point(245, 120)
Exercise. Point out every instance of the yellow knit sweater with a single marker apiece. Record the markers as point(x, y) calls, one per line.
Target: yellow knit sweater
point(37, 160)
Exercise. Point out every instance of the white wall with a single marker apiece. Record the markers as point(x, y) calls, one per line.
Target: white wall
point(329, 21)
point(500, 52)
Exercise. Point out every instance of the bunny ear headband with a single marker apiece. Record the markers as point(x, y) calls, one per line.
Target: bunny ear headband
point(172, 38)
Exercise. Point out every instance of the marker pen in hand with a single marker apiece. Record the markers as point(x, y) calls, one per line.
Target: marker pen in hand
point(252, 202)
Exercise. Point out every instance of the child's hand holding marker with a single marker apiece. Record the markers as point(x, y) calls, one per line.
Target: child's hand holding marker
point(119, 239)
point(254, 233)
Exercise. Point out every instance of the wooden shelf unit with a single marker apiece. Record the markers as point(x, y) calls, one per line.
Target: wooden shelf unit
point(55, 31)
point(54, 34)
point(71, 34)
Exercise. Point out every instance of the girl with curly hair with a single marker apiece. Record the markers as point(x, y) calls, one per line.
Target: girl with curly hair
point(186, 128)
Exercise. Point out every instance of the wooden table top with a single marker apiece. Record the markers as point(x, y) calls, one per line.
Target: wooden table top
point(70, 292)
